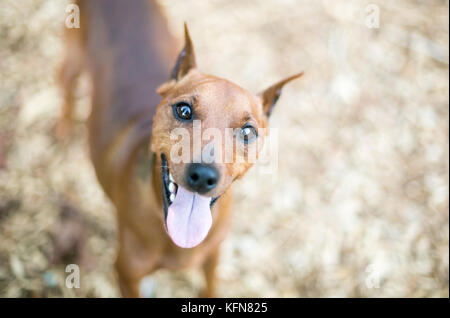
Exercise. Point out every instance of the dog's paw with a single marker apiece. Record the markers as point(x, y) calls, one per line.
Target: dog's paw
point(205, 293)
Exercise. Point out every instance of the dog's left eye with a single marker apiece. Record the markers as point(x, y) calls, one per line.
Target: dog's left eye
point(183, 111)
point(247, 133)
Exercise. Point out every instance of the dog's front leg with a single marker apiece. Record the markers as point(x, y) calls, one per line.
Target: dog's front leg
point(209, 269)
point(128, 281)
point(129, 288)
point(132, 264)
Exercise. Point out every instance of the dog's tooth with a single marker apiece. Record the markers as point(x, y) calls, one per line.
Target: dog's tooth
point(171, 187)
point(170, 177)
point(172, 197)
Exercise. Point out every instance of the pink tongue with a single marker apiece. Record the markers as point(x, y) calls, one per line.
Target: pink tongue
point(188, 218)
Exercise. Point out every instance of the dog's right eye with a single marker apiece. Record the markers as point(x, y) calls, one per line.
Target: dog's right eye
point(183, 111)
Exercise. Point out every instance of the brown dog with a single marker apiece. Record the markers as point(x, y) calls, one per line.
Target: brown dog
point(170, 214)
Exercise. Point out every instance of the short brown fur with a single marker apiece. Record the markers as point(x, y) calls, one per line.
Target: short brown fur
point(126, 48)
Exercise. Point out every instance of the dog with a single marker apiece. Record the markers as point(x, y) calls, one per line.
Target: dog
point(169, 214)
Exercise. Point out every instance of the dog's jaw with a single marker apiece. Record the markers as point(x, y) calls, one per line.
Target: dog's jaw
point(187, 215)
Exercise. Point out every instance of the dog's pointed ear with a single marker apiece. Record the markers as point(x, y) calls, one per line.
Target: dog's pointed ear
point(186, 58)
point(270, 96)
point(185, 62)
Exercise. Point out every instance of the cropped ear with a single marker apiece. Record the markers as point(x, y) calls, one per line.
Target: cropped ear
point(185, 62)
point(186, 58)
point(270, 96)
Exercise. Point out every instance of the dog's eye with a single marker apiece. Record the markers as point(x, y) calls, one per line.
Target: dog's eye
point(247, 133)
point(183, 111)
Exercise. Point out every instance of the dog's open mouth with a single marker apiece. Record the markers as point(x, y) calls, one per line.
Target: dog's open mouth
point(187, 215)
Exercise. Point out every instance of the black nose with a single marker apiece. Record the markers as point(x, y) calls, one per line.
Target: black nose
point(201, 177)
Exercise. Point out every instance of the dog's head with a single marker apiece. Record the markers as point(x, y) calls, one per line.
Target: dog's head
point(207, 132)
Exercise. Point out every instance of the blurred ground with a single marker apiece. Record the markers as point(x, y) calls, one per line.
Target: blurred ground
point(360, 198)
